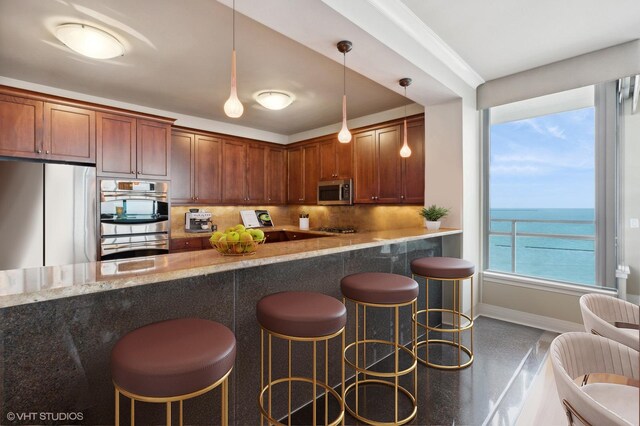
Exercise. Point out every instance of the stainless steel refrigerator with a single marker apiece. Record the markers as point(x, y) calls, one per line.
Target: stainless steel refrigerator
point(47, 214)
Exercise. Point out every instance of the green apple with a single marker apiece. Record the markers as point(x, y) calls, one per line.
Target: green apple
point(246, 237)
point(216, 236)
point(222, 243)
point(233, 237)
point(240, 228)
point(230, 229)
point(258, 234)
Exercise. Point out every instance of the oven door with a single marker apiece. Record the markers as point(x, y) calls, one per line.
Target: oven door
point(140, 215)
point(122, 247)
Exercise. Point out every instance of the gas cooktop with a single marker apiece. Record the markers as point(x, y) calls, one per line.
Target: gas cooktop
point(339, 229)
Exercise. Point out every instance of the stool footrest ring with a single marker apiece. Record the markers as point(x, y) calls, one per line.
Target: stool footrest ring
point(379, 373)
point(366, 382)
point(444, 342)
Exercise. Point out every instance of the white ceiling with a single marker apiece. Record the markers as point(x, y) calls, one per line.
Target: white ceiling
point(178, 53)
point(502, 37)
point(178, 59)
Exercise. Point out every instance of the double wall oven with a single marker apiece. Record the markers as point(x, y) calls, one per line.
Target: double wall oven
point(134, 218)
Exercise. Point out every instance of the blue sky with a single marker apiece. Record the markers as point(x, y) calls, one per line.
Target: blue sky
point(544, 162)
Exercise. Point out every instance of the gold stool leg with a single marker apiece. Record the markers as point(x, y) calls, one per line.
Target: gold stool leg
point(314, 382)
point(357, 358)
point(180, 407)
point(269, 373)
point(426, 329)
point(414, 340)
point(472, 319)
point(168, 414)
point(133, 412)
point(289, 401)
point(224, 415)
point(326, 380)
point(117, 422)
point(342, 368)
point(396, 338)
point(261, 372)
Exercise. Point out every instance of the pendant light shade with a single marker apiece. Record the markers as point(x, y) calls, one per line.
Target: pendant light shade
point(345, 135)
point(233, 107)
point(405, 151)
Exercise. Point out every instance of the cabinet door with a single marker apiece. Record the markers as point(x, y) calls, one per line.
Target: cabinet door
point(256, 174)
point(344, 159)
point(295, 194)
point(234, 165)
point(328, 169)
point(365, 176)
point(207, 170)
point(116, 143)
point(276, 176)
point(69, 133)
point(413, 167)
point(20, 127)
point(389, 165)
point(311, 173)
point(154, 150)
point(182, 167)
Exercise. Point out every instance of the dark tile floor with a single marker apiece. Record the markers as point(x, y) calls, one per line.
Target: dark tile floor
point(491, 391)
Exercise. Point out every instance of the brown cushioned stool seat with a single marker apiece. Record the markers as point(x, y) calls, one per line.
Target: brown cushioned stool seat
point(379, 287)
point(172, 358)
point(442, 267)
point(301, 314)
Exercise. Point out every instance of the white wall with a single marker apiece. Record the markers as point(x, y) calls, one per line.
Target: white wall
point(631, 198)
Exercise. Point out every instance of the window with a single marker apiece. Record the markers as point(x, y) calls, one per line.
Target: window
point(543, 202)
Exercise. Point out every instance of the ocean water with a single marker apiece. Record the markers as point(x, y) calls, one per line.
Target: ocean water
point(562, 259)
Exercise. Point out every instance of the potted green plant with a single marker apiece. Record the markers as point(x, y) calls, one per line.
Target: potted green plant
point(432, 216)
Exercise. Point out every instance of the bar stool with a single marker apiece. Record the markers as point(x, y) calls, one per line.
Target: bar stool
point(300, 317)
point(173, 360)
point(381, 290)
point(447, 269)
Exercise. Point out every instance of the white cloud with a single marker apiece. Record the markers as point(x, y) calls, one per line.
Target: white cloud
point(556, 131)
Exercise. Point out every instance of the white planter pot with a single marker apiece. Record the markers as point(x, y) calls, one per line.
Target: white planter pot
point(432, 225)
point(304, 223)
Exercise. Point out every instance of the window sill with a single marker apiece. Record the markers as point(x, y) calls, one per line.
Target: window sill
point(545, 285)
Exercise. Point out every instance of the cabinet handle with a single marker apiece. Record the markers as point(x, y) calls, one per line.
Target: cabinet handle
point(269, 199)
point(39, 151)
point(132, 172)
point(186, 243)
point(47, 152)
point(197, 198)
point(300, 199)
point(402, 196)
point(373, 198)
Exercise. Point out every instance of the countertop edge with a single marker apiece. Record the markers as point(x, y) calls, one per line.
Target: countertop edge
point(117, 283)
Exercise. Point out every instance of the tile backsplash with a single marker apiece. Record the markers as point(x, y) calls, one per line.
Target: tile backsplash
point(362, 217)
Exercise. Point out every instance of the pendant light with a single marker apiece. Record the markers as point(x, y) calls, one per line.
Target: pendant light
point(345, 135)
point(405, 151)
point(233, 107)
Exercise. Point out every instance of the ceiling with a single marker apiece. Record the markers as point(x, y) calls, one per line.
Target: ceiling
point(181, 62)
point(503, 37)
point(178, 58)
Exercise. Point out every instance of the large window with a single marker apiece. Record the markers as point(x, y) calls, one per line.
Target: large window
point(542, 192)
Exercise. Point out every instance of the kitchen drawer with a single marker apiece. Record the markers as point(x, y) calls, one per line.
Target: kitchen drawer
point(185, 244)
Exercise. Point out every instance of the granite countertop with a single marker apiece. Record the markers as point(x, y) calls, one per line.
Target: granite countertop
point(23, 286)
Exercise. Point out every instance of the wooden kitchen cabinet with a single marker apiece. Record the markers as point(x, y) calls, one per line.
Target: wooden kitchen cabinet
point(335, 159)
point(69, 133)
point(304, 173)
point(180, 245)
point(378, 166)
point(276, 175)
point(234, 172)
point(195, 168)
point(256, 174)
point(130, 147)
point(413, 166)
point(21, 127)
point(381, 176)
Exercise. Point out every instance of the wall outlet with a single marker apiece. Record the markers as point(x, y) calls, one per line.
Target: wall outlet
point(634, 222)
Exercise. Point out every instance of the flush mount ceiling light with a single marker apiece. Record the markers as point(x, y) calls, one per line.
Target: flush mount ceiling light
point(274, 99)
point(345, 135)
point(405, 151)
point(233, 107)
point(89, 41)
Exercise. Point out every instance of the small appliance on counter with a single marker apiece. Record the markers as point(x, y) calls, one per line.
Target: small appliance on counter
point(198, 221)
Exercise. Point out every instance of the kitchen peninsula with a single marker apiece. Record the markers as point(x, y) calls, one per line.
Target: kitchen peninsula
point(61, 322)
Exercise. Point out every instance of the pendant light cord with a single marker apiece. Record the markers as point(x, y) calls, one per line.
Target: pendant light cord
point(344, 73)
point(234, 24)
point(405, 100)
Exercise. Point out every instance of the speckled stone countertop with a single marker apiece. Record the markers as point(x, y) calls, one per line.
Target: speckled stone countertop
point(23, 286)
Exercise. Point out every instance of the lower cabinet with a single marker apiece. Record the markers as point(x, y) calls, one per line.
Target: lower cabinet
point(178, 245)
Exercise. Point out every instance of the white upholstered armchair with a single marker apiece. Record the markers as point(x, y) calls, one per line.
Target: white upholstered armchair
point(574, 355)
point(612, 318)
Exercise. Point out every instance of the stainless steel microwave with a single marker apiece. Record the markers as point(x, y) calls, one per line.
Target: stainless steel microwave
point(335, 192)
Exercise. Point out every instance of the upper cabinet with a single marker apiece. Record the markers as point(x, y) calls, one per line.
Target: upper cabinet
point(132, 147)
point(49, 128)
point(381, 176)
point(335, 159)
point(304, 173)
point(69, 133)
point(276, 175)
point(31, 128)
point(20, 127)
point(195, 168)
